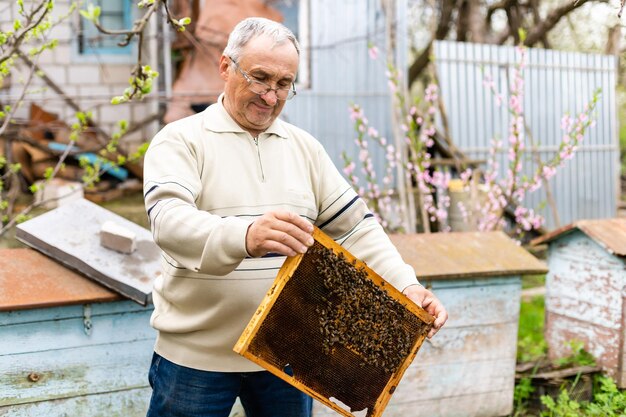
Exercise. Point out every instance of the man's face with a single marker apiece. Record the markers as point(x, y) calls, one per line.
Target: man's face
point(261, 60)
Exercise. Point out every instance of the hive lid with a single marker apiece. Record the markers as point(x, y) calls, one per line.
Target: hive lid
point(608, 233)
point(29, 279)
point(70, 235)
point(333, 328)
point(461, 255)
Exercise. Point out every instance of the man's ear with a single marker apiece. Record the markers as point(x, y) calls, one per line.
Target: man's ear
point(224, 67)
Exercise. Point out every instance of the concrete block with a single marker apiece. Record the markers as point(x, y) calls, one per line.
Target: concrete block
point(118, 238)
point(58, 192)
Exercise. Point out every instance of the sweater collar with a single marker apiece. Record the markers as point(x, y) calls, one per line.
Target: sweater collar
point(217, 119)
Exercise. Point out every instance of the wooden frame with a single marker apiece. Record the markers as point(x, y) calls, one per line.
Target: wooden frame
point(287, 271)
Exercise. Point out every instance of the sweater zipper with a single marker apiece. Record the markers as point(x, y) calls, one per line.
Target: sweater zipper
point(258, 154)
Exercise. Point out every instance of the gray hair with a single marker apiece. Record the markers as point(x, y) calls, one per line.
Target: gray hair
point(252, 27)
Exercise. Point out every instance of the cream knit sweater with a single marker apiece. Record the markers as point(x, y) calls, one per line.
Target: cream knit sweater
point(205, 181)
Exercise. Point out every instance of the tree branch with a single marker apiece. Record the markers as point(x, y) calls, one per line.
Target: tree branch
point(442, 30)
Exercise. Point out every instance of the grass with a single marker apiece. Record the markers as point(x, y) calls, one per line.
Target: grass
point(531, 345)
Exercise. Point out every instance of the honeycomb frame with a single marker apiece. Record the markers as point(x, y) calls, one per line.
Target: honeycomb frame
point(287, 334)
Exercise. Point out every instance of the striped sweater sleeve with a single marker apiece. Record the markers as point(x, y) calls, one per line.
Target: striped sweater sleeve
point(346, 218)
point(196, 239)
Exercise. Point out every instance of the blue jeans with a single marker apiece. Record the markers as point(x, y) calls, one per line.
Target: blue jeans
point(178, 391)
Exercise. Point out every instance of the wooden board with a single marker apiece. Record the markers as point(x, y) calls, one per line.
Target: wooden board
point(50, 366)
point(29, 279)
point(465, 255)
point(70, 235)
point(585, 301)
point(332, 363)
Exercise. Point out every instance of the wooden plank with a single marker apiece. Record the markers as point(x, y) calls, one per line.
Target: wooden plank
point(471, 344)
point(127, 403)
point(471, 302)
point(433, 380)
point(69, 333)
point(70, 234)
point(61, 313)
point(29, 279)
point(601, 342)
point(621, 370)
point(74, 372)
point(492, 404)
point(585, 282)
point(465, 255)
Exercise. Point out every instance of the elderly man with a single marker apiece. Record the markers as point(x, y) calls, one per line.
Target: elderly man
point(230, 192)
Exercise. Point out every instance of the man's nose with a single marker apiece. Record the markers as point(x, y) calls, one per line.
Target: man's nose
point(271, 97)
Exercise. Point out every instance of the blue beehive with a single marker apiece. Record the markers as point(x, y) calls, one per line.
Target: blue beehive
point(69, 346)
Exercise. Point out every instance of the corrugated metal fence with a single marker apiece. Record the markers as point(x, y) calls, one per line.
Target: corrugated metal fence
point(341, 73)
point(556, 83)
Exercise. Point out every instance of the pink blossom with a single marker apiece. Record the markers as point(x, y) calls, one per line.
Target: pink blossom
point(348, 169)
point(548, 171)
point(373, 52)
point(566, 122)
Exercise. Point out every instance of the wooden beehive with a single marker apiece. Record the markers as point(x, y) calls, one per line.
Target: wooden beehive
point(333, 328)
point(585, 296)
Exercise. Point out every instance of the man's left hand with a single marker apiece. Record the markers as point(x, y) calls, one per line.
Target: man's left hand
point(427, 300)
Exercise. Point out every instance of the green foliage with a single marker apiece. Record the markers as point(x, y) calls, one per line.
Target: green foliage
point(608, 401)
point(521, 394)
point(530, 343)
point(21, 218)
point(145, 3)
point(578, 357)
point(92, 13)
point(140, 84)
point(531, 281)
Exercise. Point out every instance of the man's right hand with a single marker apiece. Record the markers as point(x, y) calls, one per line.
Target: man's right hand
point(280, 232)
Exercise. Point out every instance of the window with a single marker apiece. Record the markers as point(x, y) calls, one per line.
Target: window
point(114, 15)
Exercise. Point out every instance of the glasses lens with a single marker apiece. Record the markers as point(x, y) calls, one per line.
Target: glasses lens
point(260, 88)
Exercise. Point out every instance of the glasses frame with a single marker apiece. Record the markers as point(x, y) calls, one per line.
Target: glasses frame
point(291, 92)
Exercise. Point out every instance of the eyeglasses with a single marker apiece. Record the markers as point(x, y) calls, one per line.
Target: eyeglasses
point(260, 88)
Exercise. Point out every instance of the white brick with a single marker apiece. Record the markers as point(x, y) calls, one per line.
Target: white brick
point(84, 74)
point(116, 73)
point(63, 53)
point(57, 73)
point(58, 192)
point(141, 111)
point(63, 32)
point(95, 95)
point(114, 113)
point(118, 238)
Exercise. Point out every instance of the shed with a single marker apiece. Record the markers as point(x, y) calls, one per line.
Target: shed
point(69, 346)
point(585, 291)
point(468, 368)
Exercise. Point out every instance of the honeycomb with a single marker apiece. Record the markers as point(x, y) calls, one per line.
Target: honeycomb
point(347, 335)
